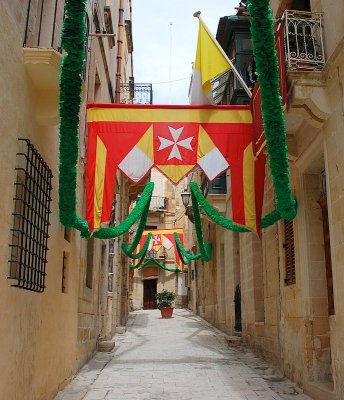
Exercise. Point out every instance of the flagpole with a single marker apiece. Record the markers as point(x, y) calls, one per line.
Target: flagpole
point(197, 14)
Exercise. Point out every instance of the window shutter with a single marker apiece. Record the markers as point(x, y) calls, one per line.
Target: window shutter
point(289, 248)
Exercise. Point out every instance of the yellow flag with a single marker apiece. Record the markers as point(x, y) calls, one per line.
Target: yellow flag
point(210, 63)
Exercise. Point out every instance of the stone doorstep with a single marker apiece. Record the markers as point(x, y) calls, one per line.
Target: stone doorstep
point(106, 345)
point(121, 329)
point(233, 341)
point(319, 390)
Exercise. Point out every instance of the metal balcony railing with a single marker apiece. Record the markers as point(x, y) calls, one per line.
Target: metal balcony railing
point(304, 40)
point(136, 93)
point(158, 203)
point(160, 254)
point(43, 24)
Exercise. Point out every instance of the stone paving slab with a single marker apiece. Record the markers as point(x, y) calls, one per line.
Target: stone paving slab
point(182, 358)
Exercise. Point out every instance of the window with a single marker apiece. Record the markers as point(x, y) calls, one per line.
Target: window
point(290, 278)
point(301, 5)
point(67, 234)
point(89, 266)
point(31, 215)
point(64, 276)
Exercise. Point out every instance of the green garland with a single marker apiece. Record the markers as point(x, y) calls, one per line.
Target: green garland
point(265, 57)
point(183, 253)
point(129, 251)
point(73, 42)
point(205, 249)
point(152, 259)
point(268, 220)
point(141, 253)
point(212, 213)
point(141, 207)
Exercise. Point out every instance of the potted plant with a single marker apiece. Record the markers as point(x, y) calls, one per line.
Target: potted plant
point(165, 302)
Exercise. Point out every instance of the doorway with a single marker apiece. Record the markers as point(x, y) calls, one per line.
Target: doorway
point(149, 292)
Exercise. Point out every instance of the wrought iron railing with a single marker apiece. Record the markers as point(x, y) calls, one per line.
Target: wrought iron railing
point(136, 93)
point(158, 203)
point(31, 215)
point(304, 40)
point(43, 24)
point(157, 254)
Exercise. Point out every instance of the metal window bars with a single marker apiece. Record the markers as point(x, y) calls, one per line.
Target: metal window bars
point(304, 40)
point(136, 93)
point(31, 215)
point(158, 203)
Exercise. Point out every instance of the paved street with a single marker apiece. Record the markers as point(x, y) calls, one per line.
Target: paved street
point(182, 358)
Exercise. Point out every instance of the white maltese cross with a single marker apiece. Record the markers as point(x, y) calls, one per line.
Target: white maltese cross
point(175, 133)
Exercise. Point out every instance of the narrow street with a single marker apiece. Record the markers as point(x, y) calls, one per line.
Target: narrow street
point(182, 358)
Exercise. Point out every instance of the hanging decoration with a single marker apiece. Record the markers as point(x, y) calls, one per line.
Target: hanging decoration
point(175, 140)
point(265, 57)
point(259, 140)
point(158, 240)
point(73, 43)
point(143, 264)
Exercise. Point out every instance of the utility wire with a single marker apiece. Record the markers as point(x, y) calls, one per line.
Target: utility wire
point(175, 80)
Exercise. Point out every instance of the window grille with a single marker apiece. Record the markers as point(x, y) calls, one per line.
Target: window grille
point(30, 220)
point(89, 265)
point(64, 274)
point(289, 248)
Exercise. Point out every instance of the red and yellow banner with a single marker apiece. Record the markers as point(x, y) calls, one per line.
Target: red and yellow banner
point(162, 238)
point(174, 139)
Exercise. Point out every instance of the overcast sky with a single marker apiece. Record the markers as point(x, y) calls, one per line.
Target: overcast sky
point(165, 38)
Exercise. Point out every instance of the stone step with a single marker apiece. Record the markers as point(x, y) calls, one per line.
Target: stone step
point(121, 329)
point(106, 346)
point(233, 341)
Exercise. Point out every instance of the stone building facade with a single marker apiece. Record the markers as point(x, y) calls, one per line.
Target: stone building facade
point(288, 284)
point(80, 296)
point(166, 212)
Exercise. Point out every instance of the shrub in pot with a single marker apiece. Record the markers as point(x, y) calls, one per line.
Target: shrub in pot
point(165, 300)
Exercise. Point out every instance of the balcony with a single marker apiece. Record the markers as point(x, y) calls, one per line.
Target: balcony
point(136, 93)
point(305, 61)
point(42, 56)
point(158, 203)
point(304, 41)
point(161, 254)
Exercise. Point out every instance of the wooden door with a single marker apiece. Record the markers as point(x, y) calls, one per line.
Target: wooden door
point(149, 292)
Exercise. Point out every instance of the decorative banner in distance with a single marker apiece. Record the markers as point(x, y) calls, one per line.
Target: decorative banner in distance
point(174, 139)
point(162, 238)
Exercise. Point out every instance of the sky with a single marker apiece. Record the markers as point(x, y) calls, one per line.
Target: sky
point(165, 39)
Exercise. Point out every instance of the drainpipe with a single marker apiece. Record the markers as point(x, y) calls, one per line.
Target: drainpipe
point(119, 50)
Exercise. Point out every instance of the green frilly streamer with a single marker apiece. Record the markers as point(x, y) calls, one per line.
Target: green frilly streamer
point(141, 208)
point(265, 57)
point(183, 253)
point(212, 213)
point(143, 264)
point(73, 42)
point(72, 66)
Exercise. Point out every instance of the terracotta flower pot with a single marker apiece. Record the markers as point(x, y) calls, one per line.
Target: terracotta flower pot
point(166, 312)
